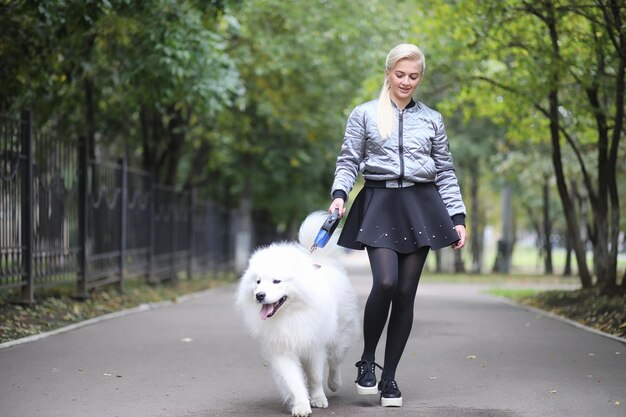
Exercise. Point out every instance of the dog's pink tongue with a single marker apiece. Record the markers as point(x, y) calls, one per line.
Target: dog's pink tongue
point(265, 310)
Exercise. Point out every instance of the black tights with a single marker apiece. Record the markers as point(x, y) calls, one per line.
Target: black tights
point(395, 279)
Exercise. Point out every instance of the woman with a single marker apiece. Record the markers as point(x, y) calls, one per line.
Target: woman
point(411, 203)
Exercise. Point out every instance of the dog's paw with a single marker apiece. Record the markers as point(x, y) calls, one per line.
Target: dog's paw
point(301, 410)
point(319, 402)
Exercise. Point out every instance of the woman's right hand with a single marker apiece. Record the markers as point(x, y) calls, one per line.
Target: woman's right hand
point(337, 204)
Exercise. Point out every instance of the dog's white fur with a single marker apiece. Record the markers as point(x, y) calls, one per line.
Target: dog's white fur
point(316, 324)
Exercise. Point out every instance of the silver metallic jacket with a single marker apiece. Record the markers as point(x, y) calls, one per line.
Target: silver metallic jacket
point(417, 152)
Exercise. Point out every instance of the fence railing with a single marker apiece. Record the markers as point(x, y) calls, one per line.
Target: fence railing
point(67, 219)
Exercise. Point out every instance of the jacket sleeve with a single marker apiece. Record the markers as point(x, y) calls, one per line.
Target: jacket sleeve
point(351, 154)
point(446, 180)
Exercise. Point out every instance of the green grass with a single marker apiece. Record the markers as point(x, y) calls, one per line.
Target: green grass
point(527, 259)
point(516, 279)
point(513, 293)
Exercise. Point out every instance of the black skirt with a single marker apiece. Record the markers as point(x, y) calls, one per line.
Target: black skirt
point(402, 219)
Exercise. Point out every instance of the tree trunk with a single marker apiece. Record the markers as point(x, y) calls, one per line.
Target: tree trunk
point(176, 134)
point(459, 265)
point(619, 26)
point(476, 237)
point(567, 270)
point(150, 126)
point(547, 230)
point(504, 253)
point(605, 267)
point(568, 208)
point(90, 118)
point(555, 138)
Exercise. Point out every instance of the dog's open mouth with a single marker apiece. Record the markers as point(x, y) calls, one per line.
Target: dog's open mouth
point(268, 310)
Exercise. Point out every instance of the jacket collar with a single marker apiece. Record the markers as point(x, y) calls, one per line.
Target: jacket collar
point(411, 104)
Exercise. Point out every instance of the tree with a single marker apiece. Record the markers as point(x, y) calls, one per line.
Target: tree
point(556, 67)
point(129, 76)
point(170, 58)
point(303, 69)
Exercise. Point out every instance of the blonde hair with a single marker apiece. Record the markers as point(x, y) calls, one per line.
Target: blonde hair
point(386, 118)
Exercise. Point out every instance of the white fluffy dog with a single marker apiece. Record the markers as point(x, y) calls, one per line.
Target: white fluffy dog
point(302, 309)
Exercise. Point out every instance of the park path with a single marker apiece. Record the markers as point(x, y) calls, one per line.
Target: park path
point(469, 355)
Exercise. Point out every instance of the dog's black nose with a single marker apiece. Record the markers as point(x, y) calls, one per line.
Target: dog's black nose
point(260, 296)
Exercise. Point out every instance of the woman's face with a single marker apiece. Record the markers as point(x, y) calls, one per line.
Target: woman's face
point(404, 78)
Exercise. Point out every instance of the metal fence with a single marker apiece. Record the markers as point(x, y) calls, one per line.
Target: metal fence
point(67, 219)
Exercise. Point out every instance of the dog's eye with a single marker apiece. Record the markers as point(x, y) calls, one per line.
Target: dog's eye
point(276, 281)
point(258, 281)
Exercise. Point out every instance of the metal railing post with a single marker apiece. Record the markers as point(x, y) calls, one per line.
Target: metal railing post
point(123, 181)
point(83, 174)
point(190, 224)
point(174, 237)
point(28, 279)
point(151, 227)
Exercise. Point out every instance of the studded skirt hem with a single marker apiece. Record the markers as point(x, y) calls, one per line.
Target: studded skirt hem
point(402, 219)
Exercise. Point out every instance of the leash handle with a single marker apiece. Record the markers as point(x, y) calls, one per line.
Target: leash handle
point(326, 231)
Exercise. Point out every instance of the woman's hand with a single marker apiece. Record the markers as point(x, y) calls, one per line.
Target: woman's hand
point(337, 204)
point(460, 229)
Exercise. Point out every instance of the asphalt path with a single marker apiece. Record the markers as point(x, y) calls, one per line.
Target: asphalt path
point(469, 355)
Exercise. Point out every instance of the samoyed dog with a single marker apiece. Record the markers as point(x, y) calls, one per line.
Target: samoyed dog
point(302, 309)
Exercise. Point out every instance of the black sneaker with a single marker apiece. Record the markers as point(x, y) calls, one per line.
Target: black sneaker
point(366, 377)
point(390, 395)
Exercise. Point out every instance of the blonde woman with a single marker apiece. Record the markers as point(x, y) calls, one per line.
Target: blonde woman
point(411, 203)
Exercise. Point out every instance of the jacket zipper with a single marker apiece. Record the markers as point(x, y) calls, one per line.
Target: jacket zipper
point(401, 147)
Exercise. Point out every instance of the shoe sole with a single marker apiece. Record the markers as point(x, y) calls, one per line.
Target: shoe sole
point(361, 390)
point(391, 402)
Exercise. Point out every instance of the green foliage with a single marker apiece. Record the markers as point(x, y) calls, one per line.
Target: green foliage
point(132, 75)
point(506, 57)
point(212, 94)
point(303, 69)
point(514, 293)
point(500, 53)
point(223, 95)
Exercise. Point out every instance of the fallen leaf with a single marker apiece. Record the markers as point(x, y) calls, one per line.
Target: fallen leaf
point(471, 357)
point(617, 403)
point(186, 340)
point(432, 377)
point(592, 354)
point(107, 375)
point(553, 391)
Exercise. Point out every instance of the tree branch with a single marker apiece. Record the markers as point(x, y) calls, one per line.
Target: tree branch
point(570, 140)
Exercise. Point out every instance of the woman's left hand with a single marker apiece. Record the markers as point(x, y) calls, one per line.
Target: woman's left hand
point(460, 229)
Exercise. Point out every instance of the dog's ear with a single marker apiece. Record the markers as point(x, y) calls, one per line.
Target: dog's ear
point(317, 266)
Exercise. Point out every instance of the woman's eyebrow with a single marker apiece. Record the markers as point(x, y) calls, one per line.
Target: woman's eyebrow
point(402, 72)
